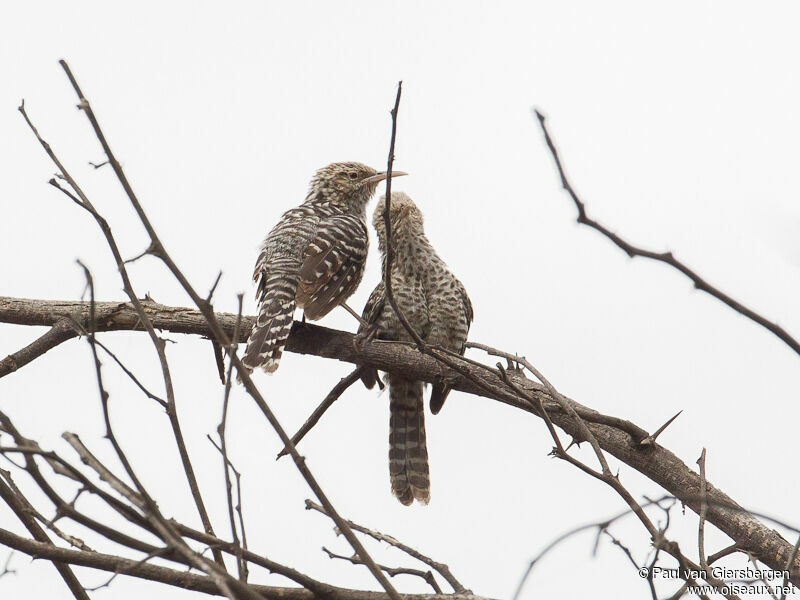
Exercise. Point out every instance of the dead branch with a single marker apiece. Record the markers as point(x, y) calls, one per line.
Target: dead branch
point(60, 332)
point(188, 581)
point(663, 257)
point(20, 509)
point(623, 439)
point(327, 402)
point(441, 568)
point(82, 200)
point(221, 337)
point(617, 436)
point(426, 576)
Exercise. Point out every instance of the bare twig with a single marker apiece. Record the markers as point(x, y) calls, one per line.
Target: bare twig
point(701, 533)
point(7, 570)
point(726, 551)
point(223, 340)
point(517, 382)
point(216, 570)
point(107, 583)
point(228, 466)
point(125, 369)
point(357, 316)
point(19, 508)
point(761, 579)
point(223, 448)
point(320, 589)
point(621, 546)
point(613, 481)
point(387, 222)
point(789, 563)
point(599, 526)
point(307, 582)
point(441, 568)
point(664, 257)
point(142, 254)
point(426, 576)
point(181, 579)
point(83, 201)
point(72, 540)
point(60, 332)
point(327, 402)
point(105, 474)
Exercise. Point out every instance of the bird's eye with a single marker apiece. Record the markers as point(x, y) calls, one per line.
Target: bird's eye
point(352, 175)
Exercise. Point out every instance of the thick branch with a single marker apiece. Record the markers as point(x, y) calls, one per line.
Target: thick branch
point(183, 579)
point(60, 332)
point(617, 436)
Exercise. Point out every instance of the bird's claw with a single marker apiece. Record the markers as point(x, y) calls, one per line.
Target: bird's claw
point(364, 337)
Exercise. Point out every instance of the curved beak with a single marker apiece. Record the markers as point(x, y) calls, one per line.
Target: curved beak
point(382, 175)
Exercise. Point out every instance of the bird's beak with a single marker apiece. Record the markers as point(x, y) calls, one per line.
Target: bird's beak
point(382, 175)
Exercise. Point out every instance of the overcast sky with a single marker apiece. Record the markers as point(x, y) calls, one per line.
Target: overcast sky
point(678, 124)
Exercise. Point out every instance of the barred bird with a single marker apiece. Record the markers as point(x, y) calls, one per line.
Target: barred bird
point(436, 305)
point(313, 258)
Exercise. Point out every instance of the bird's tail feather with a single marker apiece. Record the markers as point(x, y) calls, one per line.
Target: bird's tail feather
point(275, 315)
point(408, 452)
point(438, 396)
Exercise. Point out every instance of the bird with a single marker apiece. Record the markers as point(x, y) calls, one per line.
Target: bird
point(313, 258)
point(437, 306)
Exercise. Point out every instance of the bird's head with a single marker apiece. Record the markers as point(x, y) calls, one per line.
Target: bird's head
point(404, 215)
point(348, 184)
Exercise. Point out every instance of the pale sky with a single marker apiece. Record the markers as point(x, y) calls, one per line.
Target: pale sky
point(677, 124)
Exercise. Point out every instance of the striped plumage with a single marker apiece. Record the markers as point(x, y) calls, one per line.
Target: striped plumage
point(437, 306)
point(312, 259)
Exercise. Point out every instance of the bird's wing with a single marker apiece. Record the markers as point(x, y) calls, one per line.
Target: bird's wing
point(284, 245)
point(374, 306)
point(440, 392)
point(333, 264)
point(466, 301)
point(371, 315)
point(276, 272)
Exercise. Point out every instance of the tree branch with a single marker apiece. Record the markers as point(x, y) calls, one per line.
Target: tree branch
point(327, 402)
point(617, 436)
point(664, 257)
point(19, 508)
point(182, 579)
point(83, 201)
point(61, 331)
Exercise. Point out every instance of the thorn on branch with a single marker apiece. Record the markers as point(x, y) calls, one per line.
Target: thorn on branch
point(651, 439)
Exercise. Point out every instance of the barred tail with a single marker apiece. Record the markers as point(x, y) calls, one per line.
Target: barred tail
point(275, 316)
point(408, 454)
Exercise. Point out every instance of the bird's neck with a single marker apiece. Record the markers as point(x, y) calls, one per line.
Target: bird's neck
point(336, 201)
point(411, 249)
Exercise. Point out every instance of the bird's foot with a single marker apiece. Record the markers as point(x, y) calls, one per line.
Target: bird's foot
point(364, 337)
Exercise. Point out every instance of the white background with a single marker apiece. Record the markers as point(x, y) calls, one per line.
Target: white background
point(678, 125)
